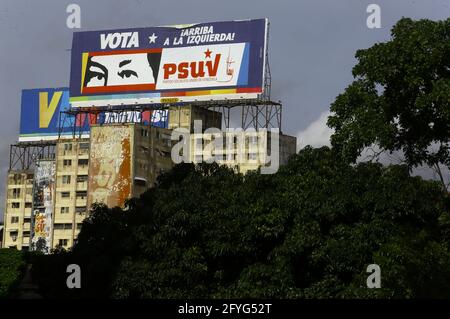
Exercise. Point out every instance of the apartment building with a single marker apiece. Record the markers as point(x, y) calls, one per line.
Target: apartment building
point(71, 189)
point(18, 209)
point(242, 150)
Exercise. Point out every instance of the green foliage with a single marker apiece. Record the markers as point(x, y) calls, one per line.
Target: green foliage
point(11, 270)
point(308, 231)
point(400, 99)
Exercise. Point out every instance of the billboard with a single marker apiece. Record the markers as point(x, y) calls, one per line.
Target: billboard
point(43, 194)
point(40, 116)
point(198, 62)
point(110, 165)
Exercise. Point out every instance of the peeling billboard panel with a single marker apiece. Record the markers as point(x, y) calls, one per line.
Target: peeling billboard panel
point(110, 165)
point(42, 216)
point(195, 62)
point(40, 116)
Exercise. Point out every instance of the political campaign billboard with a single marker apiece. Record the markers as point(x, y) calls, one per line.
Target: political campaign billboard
point(186, 63)
point(40, 116)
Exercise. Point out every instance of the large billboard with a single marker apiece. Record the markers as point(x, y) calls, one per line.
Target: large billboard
point(42, 216)
point(40, 116)
point(197, 62)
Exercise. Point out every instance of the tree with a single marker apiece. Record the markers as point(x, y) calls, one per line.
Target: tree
point(400, 99)
point(12, 267)
point(308, 231)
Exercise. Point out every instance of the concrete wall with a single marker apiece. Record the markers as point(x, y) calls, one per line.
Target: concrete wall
point(110, 164)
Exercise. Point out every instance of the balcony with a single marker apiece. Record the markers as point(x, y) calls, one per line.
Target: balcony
point(83, 151)
point(82, 186)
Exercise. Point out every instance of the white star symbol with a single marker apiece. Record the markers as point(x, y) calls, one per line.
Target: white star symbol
point(152, 38)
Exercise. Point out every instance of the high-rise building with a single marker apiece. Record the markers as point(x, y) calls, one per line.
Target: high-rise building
point(242, 150)
point(71, 192)
point(18, 206)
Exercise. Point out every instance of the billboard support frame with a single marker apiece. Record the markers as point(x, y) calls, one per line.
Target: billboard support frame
point(23, 155)
point(77, 117)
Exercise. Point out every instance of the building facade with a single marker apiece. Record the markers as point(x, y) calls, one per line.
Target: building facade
point(18, 208)
point(242, 150)
point(118, 161)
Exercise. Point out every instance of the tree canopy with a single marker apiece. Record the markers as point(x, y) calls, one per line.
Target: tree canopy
point(308, 231)
point(400, 99)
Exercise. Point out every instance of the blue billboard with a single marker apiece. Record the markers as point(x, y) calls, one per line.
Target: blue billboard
point(159, 65)
point(40, 111)
point(40, 116)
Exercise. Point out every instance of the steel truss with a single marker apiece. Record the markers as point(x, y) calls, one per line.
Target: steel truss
point(77, 119)
point(23, 155)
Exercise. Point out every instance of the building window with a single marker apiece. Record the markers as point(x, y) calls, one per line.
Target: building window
point(13, 235)
point(83, 162)
point(144, 149)
point(140, 182)
point(65, 194)
point(17, 179)
point(252, 156)
point(66, 179)
point(64, 210)
point(82, 178)
point(67, 162)
point(26, 233)
point(15, 205)
point(67, 147)
point(16, 192)
point(67, 226)
point(253, 139)
point(84, 146)
point(80, 209)
point(28, 205)
point(81, 194)
point(14, 219)
point(62, 242)
point(79, 226)
point(144, 133)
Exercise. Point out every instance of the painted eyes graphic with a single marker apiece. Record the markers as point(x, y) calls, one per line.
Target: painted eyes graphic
point(100, 75)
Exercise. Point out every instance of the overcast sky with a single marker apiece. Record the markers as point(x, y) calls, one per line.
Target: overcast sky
point(311, 48)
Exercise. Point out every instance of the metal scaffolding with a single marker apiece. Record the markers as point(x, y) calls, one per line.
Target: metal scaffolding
point(23, 155)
